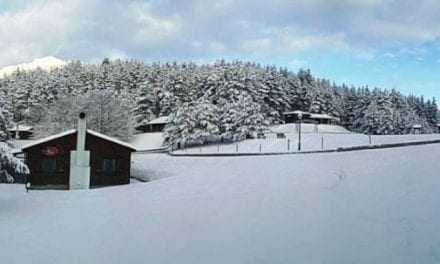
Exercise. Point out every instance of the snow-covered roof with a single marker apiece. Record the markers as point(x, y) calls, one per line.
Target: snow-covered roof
point(112, 139)
point(316, 116)
point(49, 138)
point(21, 128)
point(296, 112)
point(159, 120)
point(322, 116)
point(72, 131)
point(417, 126)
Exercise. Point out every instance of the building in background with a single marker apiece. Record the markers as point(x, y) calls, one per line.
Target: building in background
point(21, 131)
point(310, 118)
point(155, 125)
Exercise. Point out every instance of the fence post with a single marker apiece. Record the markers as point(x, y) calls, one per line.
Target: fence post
point(369, 139)
point(260, 147)
point(218, 148)
point(288, 145)
point(236, 147)
point(322, 143)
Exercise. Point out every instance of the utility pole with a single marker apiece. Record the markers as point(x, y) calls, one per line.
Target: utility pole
point(299, 131)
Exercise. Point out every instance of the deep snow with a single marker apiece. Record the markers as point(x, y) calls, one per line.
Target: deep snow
point(375, 206)
point(147, 141)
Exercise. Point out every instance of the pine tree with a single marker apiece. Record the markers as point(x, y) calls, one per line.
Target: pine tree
point(146, 106)
point(9, 164)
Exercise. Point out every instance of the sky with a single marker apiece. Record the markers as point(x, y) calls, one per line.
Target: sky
point(379, 43)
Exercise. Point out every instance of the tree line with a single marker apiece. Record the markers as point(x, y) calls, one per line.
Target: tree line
point(222, 101)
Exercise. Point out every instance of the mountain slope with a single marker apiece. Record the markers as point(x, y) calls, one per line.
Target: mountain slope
point(45, 63)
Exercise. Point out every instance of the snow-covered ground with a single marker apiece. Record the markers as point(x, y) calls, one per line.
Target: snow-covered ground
point(147, 141)
point(322, 137)
point(374, 206)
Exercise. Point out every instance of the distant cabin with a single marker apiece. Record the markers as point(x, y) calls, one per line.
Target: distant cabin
point(105, 161)
point(438, 128)
point(21, 131)
point(155, 125)
point(416, 129)
point(310, 118)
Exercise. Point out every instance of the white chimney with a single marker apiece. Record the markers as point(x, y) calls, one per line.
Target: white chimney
point(80, 159)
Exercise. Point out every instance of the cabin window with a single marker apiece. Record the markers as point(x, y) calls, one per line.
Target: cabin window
point(49, 166)
point(109, 167)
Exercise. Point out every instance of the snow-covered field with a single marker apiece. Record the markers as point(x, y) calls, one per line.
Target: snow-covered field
point(374, 206)
point(322, 137)
point(147, 141)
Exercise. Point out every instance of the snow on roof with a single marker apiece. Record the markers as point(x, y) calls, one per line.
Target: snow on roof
point(46, 139)
point(71, 131)
point(322, 116)
point(20, 128)
point(417, 126)
point(296, 112)
point(317, 116)
point(114, 140)
point(159, 120)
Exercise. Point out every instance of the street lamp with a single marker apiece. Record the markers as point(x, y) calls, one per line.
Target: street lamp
point(300, 115)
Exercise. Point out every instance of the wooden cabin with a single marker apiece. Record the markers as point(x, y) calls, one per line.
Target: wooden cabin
point(310, 118)
point(51, 160)
point(21, 131)
point(416, 129)
point(155, 125)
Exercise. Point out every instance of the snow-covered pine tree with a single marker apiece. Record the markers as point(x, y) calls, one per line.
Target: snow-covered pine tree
point(241, 118)
point(9, 164)
point(193, 124)
point(146, 106)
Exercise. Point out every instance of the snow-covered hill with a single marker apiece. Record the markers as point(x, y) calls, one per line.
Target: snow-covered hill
point(376, 206)
point(45, 63)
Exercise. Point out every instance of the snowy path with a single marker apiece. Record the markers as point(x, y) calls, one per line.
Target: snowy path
point(377, 206)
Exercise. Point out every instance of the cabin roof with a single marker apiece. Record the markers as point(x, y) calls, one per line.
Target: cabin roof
point(322, 116)
point(296, 112)
point(311, 115)
point(417, 126)
point(72, 131)
point(21, 128)
point(159, 120)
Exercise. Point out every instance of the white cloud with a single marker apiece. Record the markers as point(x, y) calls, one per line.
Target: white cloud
point(197, 29)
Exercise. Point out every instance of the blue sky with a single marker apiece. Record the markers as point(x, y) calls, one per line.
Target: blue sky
point(390, 44)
